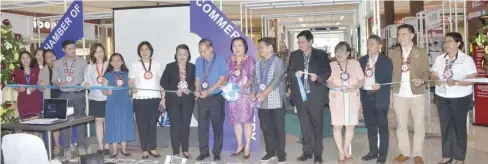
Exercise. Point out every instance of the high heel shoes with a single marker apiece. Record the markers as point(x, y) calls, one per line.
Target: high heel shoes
point(446, 162)
point(125, 154)
point(155, 155)
point(247, 156)
point(187, 156)
point(238, 153)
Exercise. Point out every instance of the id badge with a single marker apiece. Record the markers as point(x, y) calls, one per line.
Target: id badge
point(441, 89)
point(28, 91)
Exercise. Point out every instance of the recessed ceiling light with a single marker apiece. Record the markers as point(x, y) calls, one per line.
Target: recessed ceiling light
point(303, 25)
point(342, 17)
point(337, 24)
point(300, 19)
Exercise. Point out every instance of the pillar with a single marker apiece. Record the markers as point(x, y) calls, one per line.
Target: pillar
point(415, 7)
point(389, 14)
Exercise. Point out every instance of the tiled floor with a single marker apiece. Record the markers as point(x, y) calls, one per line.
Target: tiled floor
point(477, 150)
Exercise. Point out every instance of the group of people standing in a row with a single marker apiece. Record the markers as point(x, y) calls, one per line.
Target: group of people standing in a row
point(369, 83)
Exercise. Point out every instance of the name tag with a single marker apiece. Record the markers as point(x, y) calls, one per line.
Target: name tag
point(441, 89)
point(174, 160)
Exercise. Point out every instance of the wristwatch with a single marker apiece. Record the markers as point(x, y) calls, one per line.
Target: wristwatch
point(456, 83)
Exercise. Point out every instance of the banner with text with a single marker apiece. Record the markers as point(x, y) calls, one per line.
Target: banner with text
point(209, 22)
point(69, 27)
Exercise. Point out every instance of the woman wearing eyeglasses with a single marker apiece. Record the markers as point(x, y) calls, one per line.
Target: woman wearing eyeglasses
point(453, 97)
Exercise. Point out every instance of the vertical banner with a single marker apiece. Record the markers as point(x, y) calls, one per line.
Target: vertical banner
point(69, 27)
point(480, 90)
point(207, 21)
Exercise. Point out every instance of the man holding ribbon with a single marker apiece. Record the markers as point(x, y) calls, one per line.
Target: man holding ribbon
point(269, 91)
point(411, 71)
point(375, 99)
point(308, 69)
point(211, 71)
point(69, 71)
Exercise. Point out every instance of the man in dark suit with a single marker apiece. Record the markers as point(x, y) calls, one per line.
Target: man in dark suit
point(375, 99)
point(309, 66)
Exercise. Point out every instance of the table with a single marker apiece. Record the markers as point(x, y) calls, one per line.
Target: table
point(49, 128)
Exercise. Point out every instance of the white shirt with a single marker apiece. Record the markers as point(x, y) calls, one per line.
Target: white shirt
point(463, 66)
point(136, 72)
point(405, 86)
point(369, 81)
point(91, 75)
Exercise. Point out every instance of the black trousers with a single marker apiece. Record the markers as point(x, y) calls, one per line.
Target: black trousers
point(180, 117)
point(146, 111)
point(77, 101)
point(211, 110)
point(272, 122)
point(452, 114)
point(376, 119)
point(311, 116)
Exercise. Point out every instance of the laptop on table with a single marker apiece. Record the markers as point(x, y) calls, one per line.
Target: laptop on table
point(54, 111)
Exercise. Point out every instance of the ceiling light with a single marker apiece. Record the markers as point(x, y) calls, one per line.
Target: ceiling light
point(262, 7)
point(257, 5)
point(342, 17)
point(288, 6)
point(285, 3)
point(303, 25)
point(337, 24)
point(300, 19)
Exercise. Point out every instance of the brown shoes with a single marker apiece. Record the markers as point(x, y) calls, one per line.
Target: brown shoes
point(418, 160)
point(400, 159)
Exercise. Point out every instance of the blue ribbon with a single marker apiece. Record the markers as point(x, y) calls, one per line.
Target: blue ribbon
point(300, 86)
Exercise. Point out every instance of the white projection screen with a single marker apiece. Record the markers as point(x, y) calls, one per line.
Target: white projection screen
point(165, 27)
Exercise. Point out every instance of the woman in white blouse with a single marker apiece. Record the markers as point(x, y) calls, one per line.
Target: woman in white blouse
point(453, 96)
point(146, 74)
point(94, 77)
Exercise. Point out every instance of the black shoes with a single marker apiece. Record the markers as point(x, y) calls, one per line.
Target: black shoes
point(202, 157)
point(155, 155)
point(217, 158)
point(281, 160)
point(267, 158)
point(317, 159)
point(369, 156)
point(304, 157)
point(103, 152)
point(447, 162)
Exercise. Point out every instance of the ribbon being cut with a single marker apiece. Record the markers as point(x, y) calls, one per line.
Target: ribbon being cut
point(230, 91)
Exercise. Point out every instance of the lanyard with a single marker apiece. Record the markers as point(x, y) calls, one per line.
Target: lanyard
point(205, 75)
point(143, 66)
point(182, 70)
point(264, 73)
point(27, 77)
point(448, 68)
point(100, 71)
point(72, 68)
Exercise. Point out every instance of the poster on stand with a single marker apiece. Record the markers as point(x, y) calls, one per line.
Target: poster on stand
point(435, 42)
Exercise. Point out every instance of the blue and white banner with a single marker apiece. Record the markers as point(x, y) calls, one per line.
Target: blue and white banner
point(208, 21)
point(69, 27)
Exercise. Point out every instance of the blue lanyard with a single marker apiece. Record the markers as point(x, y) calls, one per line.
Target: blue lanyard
point(264, 73)
point(205, 74)
point(27, 77)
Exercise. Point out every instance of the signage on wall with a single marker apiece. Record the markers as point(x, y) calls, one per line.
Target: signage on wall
point(43, 24)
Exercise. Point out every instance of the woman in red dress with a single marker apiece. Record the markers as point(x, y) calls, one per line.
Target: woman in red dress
point(28, 99)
